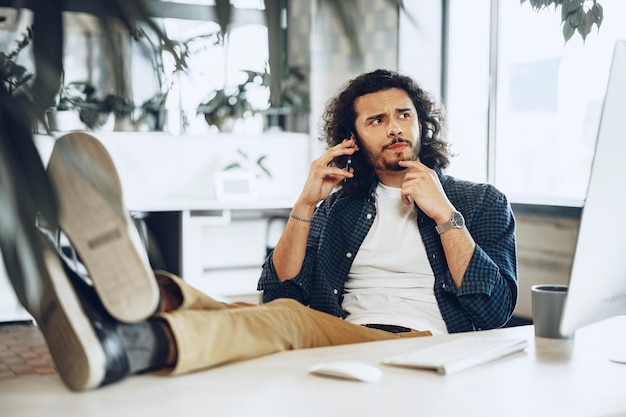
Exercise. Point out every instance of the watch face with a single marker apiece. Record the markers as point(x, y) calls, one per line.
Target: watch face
point(458, 220)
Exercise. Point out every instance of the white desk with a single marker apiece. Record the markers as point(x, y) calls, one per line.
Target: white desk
point(550, 378)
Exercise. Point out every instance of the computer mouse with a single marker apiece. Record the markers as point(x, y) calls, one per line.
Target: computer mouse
point(345, 369)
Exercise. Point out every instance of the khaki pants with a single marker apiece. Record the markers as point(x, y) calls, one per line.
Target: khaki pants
point(209, 333)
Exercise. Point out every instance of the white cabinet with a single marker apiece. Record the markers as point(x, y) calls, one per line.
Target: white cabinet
point(223, 250)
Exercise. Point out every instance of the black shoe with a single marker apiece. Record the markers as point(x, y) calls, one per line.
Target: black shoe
point(89, 347)
point(93, 217)
point(82, 337)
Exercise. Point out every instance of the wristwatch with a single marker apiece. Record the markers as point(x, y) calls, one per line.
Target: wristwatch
point(456, 222)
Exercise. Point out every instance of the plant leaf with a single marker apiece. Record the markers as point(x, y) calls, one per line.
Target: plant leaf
point(598, 14)
point(576, 18)
point(233, 165)
point(260, 164)
point(585, 28)
point(568, 31)
point(574, 5)
point(242, 153)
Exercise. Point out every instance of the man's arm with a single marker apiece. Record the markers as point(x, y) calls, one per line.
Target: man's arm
point(290, 250)
point(421, 185)
point(459, 246)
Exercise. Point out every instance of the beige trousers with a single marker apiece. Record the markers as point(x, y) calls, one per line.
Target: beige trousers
point(209, 333)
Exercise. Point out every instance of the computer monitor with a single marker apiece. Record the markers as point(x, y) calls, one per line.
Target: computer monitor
point(597, 286)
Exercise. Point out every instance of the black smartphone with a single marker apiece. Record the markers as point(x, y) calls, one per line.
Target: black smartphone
point(345, 161)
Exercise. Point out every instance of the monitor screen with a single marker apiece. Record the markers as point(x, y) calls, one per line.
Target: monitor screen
point(597, 287)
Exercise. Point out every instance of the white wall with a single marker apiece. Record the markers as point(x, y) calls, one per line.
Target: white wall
point(160, 171)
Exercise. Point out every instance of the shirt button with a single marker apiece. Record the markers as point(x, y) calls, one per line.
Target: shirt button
point(348, 255)
point(434, 256)
point(335, 291)
point(369, 215)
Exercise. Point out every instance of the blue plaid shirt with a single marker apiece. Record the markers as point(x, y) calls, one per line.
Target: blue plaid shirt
point(485, 299)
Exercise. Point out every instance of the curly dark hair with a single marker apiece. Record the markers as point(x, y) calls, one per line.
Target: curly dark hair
point(339, 117)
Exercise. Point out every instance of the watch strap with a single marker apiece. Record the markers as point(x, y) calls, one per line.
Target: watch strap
point(444, 227)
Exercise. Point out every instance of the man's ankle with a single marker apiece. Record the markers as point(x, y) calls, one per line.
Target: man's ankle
point(149, 345)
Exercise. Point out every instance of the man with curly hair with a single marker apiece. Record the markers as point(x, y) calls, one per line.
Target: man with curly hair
point(399, 245)
point(384, 247)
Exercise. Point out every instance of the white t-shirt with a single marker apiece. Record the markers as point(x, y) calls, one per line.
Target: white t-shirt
point(391, 281)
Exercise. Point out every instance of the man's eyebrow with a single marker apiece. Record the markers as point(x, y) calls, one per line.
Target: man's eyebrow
point(381, 115)
point(374, 116)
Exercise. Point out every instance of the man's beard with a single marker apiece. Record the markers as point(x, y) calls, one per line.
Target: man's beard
point(394, 165)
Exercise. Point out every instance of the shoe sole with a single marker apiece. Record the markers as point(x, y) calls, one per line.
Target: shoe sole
point(95, 220)
point(73, 344)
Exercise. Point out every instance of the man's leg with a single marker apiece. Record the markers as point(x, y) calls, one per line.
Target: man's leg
point(90, 348)
point(208, 333)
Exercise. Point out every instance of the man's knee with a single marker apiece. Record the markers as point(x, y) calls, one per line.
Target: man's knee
point(287, 303)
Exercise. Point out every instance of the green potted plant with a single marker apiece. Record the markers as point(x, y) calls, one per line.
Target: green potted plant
point(576, 15)
point(12, 75)
point(153, 111)
point(225, 106)
point(245, 163)
point(93, 110)
point(294, 98)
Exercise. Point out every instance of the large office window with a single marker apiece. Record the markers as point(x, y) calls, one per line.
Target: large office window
point(228, 63)
point(523, 105)
point(467, 93)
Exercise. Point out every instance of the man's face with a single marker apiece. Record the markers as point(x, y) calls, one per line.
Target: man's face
point(388, 128)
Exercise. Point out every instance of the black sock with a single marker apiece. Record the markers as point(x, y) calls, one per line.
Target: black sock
point(147, 345)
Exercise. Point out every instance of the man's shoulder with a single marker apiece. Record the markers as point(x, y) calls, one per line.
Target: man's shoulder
point(457, 188)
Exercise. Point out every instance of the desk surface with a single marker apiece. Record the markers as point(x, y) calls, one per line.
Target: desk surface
point(550, 378)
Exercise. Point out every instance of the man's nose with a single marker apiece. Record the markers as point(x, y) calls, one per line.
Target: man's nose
point(394, 129)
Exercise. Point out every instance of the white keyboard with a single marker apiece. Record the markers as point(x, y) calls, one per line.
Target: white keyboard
point(458, 354)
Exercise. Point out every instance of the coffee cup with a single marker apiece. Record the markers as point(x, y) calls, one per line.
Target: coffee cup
point(547, 302)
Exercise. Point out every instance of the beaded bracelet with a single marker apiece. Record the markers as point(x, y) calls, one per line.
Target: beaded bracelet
point(300, 219)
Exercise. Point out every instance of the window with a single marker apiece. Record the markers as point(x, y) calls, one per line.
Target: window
point(214, 63)
point(214, 66)
point(545, 99)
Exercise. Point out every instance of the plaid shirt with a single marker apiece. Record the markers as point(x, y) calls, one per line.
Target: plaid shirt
point(485, 299)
